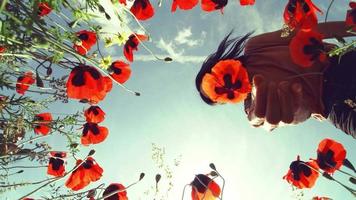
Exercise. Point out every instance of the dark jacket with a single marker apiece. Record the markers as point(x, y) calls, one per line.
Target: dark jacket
point(339, 94)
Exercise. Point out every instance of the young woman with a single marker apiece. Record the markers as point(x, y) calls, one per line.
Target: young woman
point(282, 92)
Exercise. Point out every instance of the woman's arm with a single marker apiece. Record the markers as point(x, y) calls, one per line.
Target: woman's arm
point(328, 29)
point(332, 29)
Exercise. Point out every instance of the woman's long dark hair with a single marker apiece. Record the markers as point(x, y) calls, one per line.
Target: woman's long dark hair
point(228, 49)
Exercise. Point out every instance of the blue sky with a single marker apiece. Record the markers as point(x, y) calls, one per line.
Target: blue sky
point(171, 114)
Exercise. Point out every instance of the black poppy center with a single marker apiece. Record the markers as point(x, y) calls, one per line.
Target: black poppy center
point(58, 155)
point(88, 164)
point(94, 110)
point(326, 160)
point(353, 15)
point(298, 169)
point(56, 163)
point(80, 75)
point(83, 36)
point(39, 118)
point(315, 48)
point(131, 42)
point(220, 3)
point(110, 189)
point(292, 6)
point(116, 70)
point(201, 183)
point(92, 128)
point(306, 7)
point(143, 3)
point(21, 78)
point(229, 87)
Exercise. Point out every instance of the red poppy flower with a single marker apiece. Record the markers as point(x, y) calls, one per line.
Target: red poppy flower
point(307, 47)
point(86, 82)
point(44, 9)
point(120, 71)
point(300, 14)
point(247, 2)
point(351, 16)
point(42, 123)
point(132, 44)
point(212, 5)
point(88, 171)
point(28, 198)
point(58, 154)
point(93, 134)
point(331, 155)
point(227, 83)
point(301, 174)
point(24, 82)
point(184, 4)
point(56, 164)
point(2, 49)
point(94, 114)
point(204, 187)
point(116, 187)
point(142, 9)
point(87, 40)
point(321, 198)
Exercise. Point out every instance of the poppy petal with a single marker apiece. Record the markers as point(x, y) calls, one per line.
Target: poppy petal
point(331, 155)
point(247, 2)
point(301, 14)
point(88, 171)
point(42, 123)
point(44, 9)
point(87, 40)
point(24, 82)
point(132, 44)
point(56, 167)
point(116, 187)
point(203, 187)
point(85, 82)
point(93, 134)
point(183, 4)
point(228, 82)
point(142, 9)
point(212, 5)
point(302, 174)
point(94, 114)
point(306, 47)
point(120, 71)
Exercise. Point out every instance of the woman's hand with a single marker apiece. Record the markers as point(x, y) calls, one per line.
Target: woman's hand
point(276, 103)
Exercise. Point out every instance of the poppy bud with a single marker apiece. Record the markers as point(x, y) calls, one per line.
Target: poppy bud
point(142, 175)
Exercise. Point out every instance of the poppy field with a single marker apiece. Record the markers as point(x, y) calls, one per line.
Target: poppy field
point(98, 101)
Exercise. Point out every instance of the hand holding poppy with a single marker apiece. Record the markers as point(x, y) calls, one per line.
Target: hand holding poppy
point(273, 103)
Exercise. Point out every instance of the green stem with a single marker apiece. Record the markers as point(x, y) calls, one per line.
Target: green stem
point(327, 12)
point(16, 55)
point(340, 50)
point(24, 167)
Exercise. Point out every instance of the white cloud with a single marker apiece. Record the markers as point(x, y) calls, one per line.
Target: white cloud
point(184, 37)
point(180, 59)
point(119, 18)
point(169, 48)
